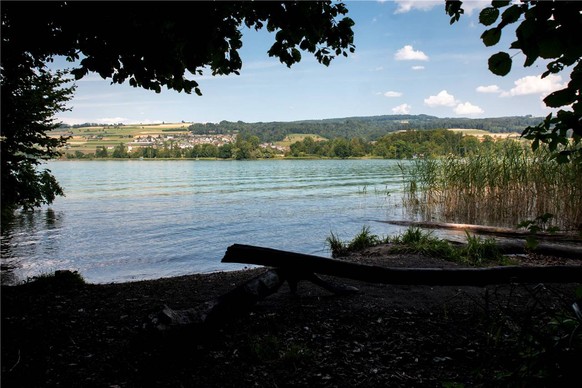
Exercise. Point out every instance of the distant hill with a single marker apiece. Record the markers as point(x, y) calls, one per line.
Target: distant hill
point(365, 127)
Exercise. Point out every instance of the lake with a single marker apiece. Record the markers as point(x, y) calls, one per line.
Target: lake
point(133, 220)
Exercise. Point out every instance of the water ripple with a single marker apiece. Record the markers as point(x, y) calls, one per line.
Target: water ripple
point(134, 220)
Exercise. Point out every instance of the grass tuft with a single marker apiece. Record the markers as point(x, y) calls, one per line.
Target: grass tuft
point(364, 239)
point(478, 251)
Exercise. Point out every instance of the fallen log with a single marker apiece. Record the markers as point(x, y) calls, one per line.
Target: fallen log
point(303, 263)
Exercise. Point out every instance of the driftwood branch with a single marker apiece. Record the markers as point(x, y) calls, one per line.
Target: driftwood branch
point(247, 254)
point(293, 267)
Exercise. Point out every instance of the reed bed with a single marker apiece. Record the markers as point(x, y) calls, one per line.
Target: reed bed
point(499, 187)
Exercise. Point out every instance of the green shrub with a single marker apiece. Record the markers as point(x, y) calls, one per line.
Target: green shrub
point(479, 251)
point(363, 240)
point(415, 240)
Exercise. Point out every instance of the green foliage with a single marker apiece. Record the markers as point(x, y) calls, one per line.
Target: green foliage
point(336, 246)
point(364, 239)
point(548, 30)
point(415, 240)
point(414, 235)
point(101, 152)
point(398, 145)
point(173, 40)
point(369, 128)
point(120, 151)
point(479, 250)
point(500, 63)
point(31, 96)
point(539, 224)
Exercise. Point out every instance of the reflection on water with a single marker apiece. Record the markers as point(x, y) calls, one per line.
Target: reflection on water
point(28, 234)
point(133, 220)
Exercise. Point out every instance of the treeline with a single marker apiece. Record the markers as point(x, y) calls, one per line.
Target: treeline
point(368, 128)
point(399, 145)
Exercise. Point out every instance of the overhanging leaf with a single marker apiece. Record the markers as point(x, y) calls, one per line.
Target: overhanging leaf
point(560, 98)
point(512, 14)
point(491, 37)
point(499, 3)
point(500, 63)
point(488, 16)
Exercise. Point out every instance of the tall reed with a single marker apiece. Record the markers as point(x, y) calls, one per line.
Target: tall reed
point(500, 187)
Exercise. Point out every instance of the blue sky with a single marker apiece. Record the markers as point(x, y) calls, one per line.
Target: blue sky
point(408, 60)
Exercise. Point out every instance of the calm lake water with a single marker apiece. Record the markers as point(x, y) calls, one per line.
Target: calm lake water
point(134, 220)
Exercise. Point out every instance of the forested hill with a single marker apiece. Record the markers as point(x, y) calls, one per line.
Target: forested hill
point(368, 128)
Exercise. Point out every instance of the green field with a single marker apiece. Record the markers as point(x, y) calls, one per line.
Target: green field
point(290, 139)
point(483, 133)
point(87, 139)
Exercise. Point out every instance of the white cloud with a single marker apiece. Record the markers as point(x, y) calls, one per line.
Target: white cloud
point(379, 68)
point(112, 120)
point(72, 120)
point(475, 5)
point(535, 85)
point(408, 5)
point(417, 67)
point(402, 109)
point(441, 99)
point(407, 53)
point(405, 6)
point(392, 94)
point(488, 89)
point(105, 120)
point(468, 109)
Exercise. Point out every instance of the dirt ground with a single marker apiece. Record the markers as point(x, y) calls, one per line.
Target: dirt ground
point(383, 336)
